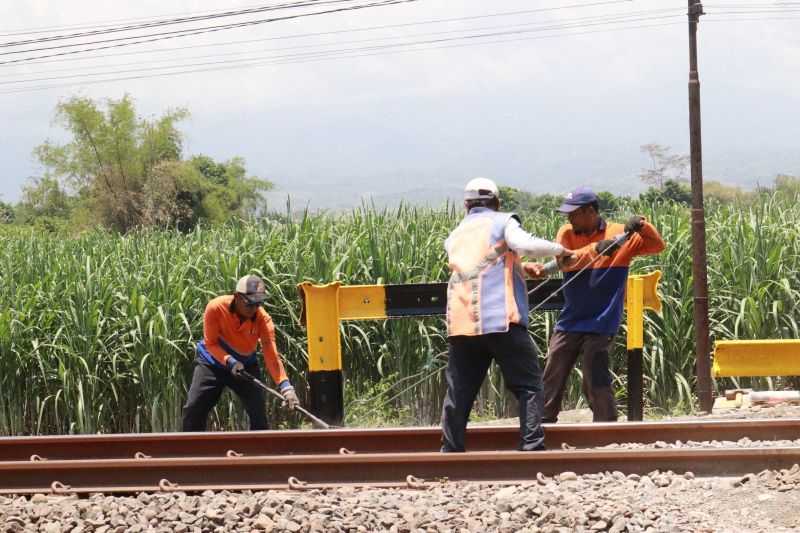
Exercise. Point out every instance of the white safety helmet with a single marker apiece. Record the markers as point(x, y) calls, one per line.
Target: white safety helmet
point(481, 189)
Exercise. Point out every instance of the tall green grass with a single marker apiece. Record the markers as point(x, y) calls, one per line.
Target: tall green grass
point(97, 331)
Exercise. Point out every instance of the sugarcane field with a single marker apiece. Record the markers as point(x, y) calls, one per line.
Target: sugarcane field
point(401, 266)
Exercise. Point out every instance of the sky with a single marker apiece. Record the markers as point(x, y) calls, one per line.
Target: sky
point(565, 99)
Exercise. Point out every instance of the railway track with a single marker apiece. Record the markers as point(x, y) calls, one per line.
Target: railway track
point(398, 440)
point(398, 457)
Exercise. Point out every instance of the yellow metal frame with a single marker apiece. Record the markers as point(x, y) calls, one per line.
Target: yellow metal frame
point(322, 323)
point(327, 305)
point(754, 358)
point(362, 302)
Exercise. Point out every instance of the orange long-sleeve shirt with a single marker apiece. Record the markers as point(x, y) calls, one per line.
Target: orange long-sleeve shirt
point(224, 331)
point(593, 302)
point(646, 242)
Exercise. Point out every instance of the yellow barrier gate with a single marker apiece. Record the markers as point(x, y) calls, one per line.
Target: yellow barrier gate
point(324, 306)
point(754, 358)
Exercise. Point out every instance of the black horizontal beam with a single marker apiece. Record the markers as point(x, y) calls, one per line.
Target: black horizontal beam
point(430, 299)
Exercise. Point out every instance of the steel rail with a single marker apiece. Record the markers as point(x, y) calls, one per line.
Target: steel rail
point(425, 439)
point(310, 471)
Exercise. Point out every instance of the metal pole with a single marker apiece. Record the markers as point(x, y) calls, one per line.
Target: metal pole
point(699, 263)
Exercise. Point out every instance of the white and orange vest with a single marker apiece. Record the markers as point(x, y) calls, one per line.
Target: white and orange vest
point(486, 292)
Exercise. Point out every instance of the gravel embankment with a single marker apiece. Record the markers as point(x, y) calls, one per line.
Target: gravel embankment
point(612, 502)
point(760, 502)
point(741, 443)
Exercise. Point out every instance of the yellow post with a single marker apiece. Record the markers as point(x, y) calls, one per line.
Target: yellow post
point(640, 293)
point(325, 377)
point(634, 298)
point(322, 323)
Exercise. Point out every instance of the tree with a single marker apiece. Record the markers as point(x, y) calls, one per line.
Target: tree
point(787, 185)
point(664, 166)
point(515, 200)
point(232, 191)
point(608, 202)
point(130, 170)
point(520, 201)
point(44, 197)
point(7, 215)
point(672, 191)
point(173, 196)
point(722, 193)
point(111, 155)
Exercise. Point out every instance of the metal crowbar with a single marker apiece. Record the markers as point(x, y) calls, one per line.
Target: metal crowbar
point(315, 421)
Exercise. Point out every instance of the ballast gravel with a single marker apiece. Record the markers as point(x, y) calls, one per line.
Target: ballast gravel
point(613, 502)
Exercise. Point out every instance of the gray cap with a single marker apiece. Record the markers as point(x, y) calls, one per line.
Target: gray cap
point(253, 288)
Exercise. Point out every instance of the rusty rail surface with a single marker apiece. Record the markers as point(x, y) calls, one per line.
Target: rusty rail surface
point(426, 439)
point(411, 469)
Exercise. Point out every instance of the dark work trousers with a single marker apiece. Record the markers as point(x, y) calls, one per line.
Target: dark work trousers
point(562, 354)
point(208, 382)
point(469, 360)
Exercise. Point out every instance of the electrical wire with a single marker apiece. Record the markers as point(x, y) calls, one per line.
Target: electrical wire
point(386, 46)
point(169, 22)
point(184, 33)
point(295, 61)
point(108, 23)
point(352, 30)
point(539, 26)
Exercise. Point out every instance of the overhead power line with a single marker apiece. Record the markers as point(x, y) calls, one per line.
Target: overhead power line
point(61, 55)
point(111, 22)
point(538, 26)
point(352, 30)
point(170, 22)
point(195, 31)
point(115, 22)
point(332, 55)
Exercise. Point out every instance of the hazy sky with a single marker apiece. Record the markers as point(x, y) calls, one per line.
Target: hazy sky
point(546, 110)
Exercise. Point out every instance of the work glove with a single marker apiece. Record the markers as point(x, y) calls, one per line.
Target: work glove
point(635, 223)
point(607, 247)
point(290, 398)
point(237, 369)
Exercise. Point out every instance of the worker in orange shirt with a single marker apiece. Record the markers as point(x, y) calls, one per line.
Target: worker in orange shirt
point(593, 302)
point(233, 325)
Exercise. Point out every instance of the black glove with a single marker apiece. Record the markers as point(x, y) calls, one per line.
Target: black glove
point(607, 247)
point(635, 223)
point(237, 370)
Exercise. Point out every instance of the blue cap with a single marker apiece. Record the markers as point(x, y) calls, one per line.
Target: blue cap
point(577, 198)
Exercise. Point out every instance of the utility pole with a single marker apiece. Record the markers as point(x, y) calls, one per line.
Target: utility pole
point(699, 263)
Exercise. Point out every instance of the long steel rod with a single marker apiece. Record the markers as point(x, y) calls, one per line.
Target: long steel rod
point(316, 422)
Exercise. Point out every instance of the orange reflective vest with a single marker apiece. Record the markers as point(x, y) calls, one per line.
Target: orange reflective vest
point(486, 292)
